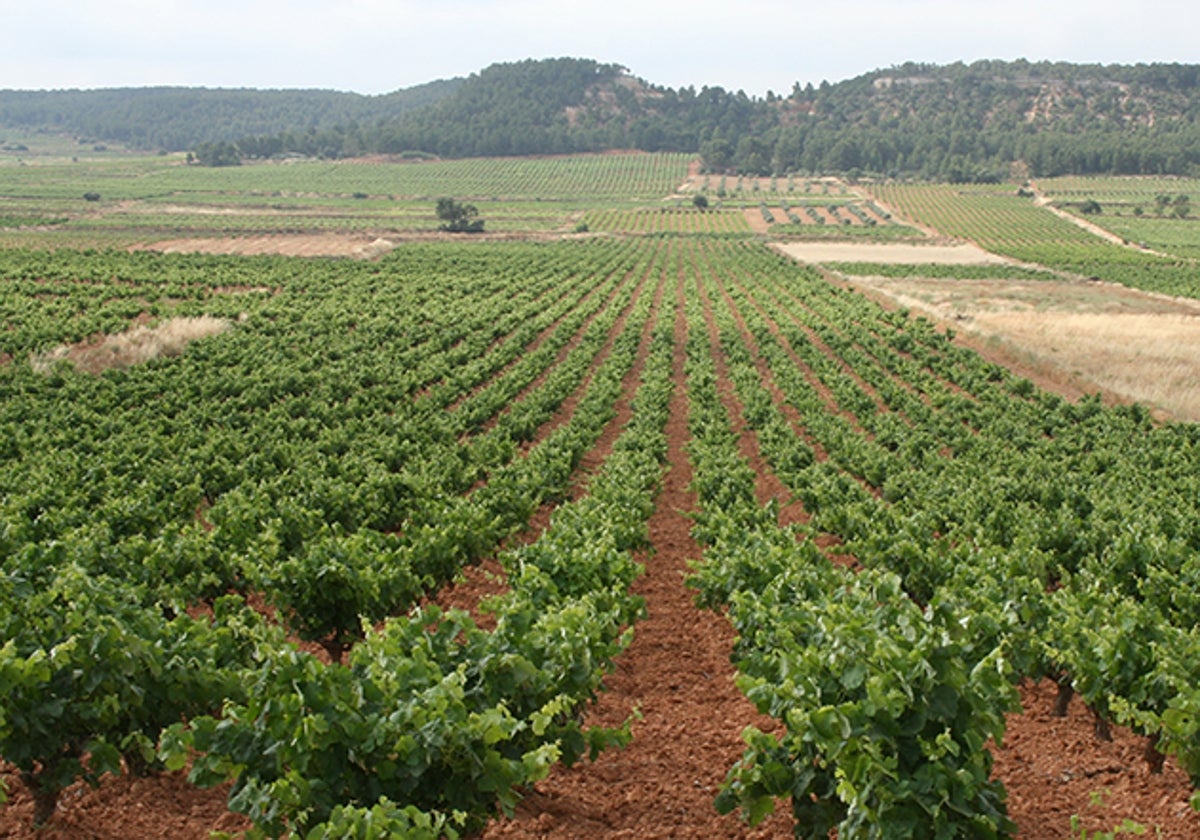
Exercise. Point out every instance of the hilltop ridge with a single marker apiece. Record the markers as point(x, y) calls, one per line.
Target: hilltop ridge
point(961, 122)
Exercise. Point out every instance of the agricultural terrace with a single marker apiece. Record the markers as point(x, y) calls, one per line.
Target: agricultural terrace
point(1000, 220)
point(675, 219)
point(1153, 213)
point(749, 188)
point(1125, 193)
point(402, 548)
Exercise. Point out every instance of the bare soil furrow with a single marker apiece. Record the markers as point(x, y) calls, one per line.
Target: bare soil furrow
point(678, 677)
point(488, 578)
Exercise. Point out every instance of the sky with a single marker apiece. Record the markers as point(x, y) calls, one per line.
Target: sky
point(377, 46)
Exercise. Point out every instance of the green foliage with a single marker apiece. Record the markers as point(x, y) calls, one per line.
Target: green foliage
point(1005, 224)
point(221, 153)
point(368, 428)
point(458, 217)
point(177, 118)
point(992, 581)
point(90, 673)
point(970, 119)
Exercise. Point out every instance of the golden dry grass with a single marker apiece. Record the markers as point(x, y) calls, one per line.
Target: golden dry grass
point(1134, 345)
point(1149, 358)
point(133, 347)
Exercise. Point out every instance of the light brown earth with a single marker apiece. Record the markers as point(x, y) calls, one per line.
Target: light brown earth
point(754, 218)
point(312, 245)
point(885, 253)
point(355, 246)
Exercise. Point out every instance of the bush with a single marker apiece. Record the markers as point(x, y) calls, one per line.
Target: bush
point(457, 217)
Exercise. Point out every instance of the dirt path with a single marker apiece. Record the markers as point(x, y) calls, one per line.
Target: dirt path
point(1040, 199)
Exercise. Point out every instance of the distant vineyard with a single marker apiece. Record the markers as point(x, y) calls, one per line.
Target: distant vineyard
point(139, 199)
point(584, 176)
point(743, 187)
point(1156, 213)
point(1127, 191)
point(676, 220)
point(1002, 222)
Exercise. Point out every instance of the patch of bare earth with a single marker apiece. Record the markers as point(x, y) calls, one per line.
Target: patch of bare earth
point(754, 218)
point(351, 246)
point(885, 253)
point(122, 808)
point(1055, 767)
point(314, 245)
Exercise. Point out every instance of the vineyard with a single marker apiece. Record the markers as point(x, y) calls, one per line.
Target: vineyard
point(1006, 223)
point(615, 522)
point(1151, 213)
point(668, 220)
point(140, 200)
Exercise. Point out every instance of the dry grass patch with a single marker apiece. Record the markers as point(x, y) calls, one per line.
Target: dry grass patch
point(354, 246)
point(1134, 345)
point(133, 347)
point(1150, 358)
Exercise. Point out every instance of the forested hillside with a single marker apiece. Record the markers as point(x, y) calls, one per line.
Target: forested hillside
point(181, 118)
point(963, 122)
point(957, 122)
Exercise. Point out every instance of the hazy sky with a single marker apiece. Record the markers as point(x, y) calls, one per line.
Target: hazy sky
point(376, 46)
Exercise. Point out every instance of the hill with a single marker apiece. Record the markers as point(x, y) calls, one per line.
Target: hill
point(181, 118)
point(960, 122)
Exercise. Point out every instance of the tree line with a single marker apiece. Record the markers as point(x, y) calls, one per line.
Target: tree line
point(956, 122)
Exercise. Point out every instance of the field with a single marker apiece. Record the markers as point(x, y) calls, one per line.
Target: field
point(612, 521)
point(142, 201)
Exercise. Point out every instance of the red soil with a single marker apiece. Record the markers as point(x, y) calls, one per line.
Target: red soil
point(677, 676)
point(677, 679)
